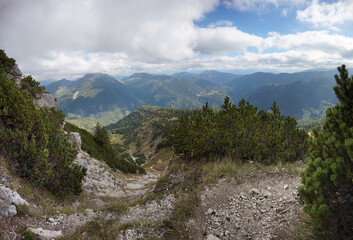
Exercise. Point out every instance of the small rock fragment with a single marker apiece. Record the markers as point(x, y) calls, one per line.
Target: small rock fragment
point(266, 194)
point(253, 191)
point(211, 237)
point(285, 187)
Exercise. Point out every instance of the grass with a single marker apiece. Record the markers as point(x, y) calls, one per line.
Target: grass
point(22, 210)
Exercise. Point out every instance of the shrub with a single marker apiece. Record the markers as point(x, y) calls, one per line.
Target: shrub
point(239, 132)
point(34, 143)
point(328, 187)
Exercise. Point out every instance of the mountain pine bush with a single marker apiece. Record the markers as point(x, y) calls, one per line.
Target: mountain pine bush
point(328, 186)
point(239, 132)
point(33, 141)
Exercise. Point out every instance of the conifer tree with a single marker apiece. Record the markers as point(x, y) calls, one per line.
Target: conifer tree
point(328, 179)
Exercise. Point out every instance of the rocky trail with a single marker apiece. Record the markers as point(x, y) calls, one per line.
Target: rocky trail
point(259, 205)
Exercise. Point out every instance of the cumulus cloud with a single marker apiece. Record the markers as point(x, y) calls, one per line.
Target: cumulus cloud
point(162, 29)
point(330, 15)
point(65, 38)
point(220, 40)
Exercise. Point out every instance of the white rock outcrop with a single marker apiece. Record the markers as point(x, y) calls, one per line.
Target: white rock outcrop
point(45, 100)
point(75, 139)
point(11, 197)
point(45, 234)
point(8, 200)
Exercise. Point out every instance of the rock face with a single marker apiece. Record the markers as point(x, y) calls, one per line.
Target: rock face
point(11, 197)
point(75, 139)
point(15, 73)
point(8, 200)
point(45, 100)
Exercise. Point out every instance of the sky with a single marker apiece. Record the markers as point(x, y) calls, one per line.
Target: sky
point(55, 39)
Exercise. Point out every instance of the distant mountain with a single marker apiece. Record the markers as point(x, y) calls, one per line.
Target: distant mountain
point(301, 99)
point(217, 77)
point(176, 92)
point(94, 95)
point(244, 84)
point(100, 97)
point(186, 76)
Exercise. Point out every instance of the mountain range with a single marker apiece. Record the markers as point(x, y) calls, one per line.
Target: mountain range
point(100, 97)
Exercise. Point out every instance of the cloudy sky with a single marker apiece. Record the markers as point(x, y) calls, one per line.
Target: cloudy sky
point(54, 39)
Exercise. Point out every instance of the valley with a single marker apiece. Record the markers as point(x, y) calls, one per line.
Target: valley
point(102, 98)
point(221, 171)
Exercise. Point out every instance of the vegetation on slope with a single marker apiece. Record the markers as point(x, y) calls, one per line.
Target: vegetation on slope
point(328, 187)
point(99, 147)
point(241, 133)
point(32, 139)
point(161, 120)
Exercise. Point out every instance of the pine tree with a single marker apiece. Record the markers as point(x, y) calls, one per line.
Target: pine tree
point(328, 186)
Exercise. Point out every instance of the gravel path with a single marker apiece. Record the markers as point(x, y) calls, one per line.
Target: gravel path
point(256, 208)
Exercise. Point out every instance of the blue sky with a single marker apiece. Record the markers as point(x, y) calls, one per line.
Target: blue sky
point(66, 39)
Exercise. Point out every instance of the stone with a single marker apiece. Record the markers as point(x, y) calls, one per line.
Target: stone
point(15, 72)
point(254, 191)
point(45, 100)
point(266, 194)
point(285, 187)
point(211, 237)
point(75, 139)
point(80, 160)
point(210, 211)
point(8, 210)
point(11, 197)
point(45, 234)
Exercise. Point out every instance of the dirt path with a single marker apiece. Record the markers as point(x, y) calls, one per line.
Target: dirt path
point(255, 208)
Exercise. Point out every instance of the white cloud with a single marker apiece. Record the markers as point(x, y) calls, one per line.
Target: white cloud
point(144, 29)
point(220, 40)
point(65, 38)
point(329, 15)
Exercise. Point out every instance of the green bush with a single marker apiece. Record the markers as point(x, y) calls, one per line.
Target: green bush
point(239, 132)
point(328, 187)
point(31, 86)
point(34, 143)
point(5, 62)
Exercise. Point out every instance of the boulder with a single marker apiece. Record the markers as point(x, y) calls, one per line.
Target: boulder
point(75, 139)
point(8, 210)
point(45, 100)
point(15, 72)
point(11, 197)
point(45, 234)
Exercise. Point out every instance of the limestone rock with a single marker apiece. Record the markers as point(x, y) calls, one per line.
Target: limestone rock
point(45, 234)
point(75, 139)
point(8, 210)
point(211, 237)
point(253, 191)
point(266, 194)
point(15, 72)
point(11, 197)
point(45, 100)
